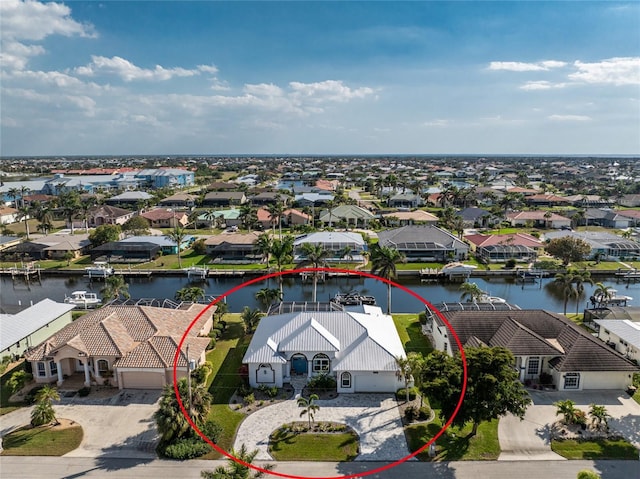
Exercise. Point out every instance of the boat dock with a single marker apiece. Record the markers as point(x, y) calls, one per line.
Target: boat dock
point(628, 274)
point(25, 272)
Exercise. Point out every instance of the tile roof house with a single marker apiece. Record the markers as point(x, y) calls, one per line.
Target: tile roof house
point(130, 346)
point(405, 218)
point(497, 248)
point(108, 215)
point(54, 246)
point(358, 348)
point(541, 341)
point(8, 215)
point(180, 200)
point(352, 215)
point(538, 219)
point(224, 198)
point(29, 327)
point(424, 243)
point(607, 245)
point(166, 218)
point(233, 247)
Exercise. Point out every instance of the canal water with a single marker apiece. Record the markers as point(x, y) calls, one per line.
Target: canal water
point(16, 294)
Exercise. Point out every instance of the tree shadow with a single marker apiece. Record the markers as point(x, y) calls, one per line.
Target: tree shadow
point(134, 451)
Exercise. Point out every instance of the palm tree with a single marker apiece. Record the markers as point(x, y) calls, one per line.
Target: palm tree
point(316, 257)
point(190, 294)
point(170, 421)
point(275, 214)
point(248, 216)
point(235, 468)
point(599, 416)
point(346, 253)
point(282, 253)
point(579, 278)
point(310, 407)
point(567, 409)
point(45, 217)
point(13, 193)
point(416, 367)
point(403, 372)
point(263, 245)
point(383, 264)
point(602, 294)
point(177, 235)
point(114, 287)
point(267, 296)
point(70, 204)
point(210, 216)
point(23, 192)
point(565, 282)
point(470, 292)
point(24, 213)
point(85, 206)
point(251, 318)
point(44, 413)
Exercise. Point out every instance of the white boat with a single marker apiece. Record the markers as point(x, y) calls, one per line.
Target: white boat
point(197, 271)
point(613, 299)
point(100, 269)
point(83, 299)
point(485, 298)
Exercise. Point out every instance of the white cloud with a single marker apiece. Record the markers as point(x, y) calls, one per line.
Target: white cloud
point(438, 122)
point(615, 71)
point(328, 90)
point(526, 67)
point(542, 85)
point(129, 72)
point(569, 118)
point(263, 89)
point(208, 69)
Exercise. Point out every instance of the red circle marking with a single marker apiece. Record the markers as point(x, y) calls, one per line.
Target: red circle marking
point(327, 270)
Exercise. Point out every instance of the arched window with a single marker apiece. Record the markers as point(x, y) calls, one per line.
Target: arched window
point(345, 380)
point(321, 363)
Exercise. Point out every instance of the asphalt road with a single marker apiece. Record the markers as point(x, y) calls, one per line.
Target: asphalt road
point(87, 468)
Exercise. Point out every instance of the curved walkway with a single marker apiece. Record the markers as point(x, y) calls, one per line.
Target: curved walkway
point(375, 417)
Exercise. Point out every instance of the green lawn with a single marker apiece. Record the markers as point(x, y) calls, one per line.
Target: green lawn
point(455, 444)
point(334, 447)
point(5, 393)
point(42, 441)
point(226, 358)
point(410, 332)
point(595, 449)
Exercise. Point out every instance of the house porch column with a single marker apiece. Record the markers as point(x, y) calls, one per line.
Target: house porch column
point(96, 372)
point(87, 376)
point(523, 367)
point(60, 375)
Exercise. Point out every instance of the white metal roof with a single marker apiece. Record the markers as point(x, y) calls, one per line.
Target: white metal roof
point(15, 327)
point(360, 341)
point(623, 328)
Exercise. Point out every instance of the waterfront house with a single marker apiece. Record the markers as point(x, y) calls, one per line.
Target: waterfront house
point(224, 198)
point(294, 217)
point(405, 218)
point(351, 215)
point(269, 198)
point(357, 348)
point(607, 218)
point(233, 247)
point(623, 335)
point(606, 245)
point(538, 219)
point(126, 252)
point(405, 200)
point(32, 325)
point(336, 242)
point(54, 246)
point(424, 243)
point(167, 246)
point(108, 215)
point(500, 248)
point(124, 346)
point(179, 200)
point(542, 342)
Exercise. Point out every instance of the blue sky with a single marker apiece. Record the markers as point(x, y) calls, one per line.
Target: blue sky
point(155, 77)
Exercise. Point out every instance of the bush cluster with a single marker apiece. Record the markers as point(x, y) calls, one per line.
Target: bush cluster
point(401, 394)
point(187, 449)
point(321, 381)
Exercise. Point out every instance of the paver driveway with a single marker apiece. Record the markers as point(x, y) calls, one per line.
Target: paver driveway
point(121, 426)
point(375, 417)
point(530, 439)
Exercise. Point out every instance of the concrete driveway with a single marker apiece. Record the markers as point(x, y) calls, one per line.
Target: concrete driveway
point(530, 439)
point(120, 426)
point(375, 417)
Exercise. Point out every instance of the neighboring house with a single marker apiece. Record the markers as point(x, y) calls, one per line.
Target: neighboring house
point(233, 247)
point(166, 218)
point(29, 327)
point(7, 242)
point(406, 218)
point(126, 346)
point(167, 246)
point(294, 217)
point(312, 199)
point(129, 198)
point(538, 219)
point(352, 215)
point(404, 200)
point(359, 349)
point(8, 215)
point(166, 177)
point(336, 242)
point(230, 217)
point(424, 243)
point(126, 251)
point(541, 341)
point(623, 335)
point(179, 200)
point(632, 201)
point(546, 199)
point(222, 186)
point(499, 248)
point(477, 217)
point(108, 215)
point(54, 246)
point(634, 215)
point(606, 245)
point(224, 198)
point(607, 218)
point(588, 201)
point(265, 220)
point(269, 197)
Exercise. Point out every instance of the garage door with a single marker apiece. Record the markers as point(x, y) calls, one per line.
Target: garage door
point(374, 383)
point(140, 380)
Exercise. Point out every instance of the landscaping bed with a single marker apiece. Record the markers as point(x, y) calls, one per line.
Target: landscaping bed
point(325, 441)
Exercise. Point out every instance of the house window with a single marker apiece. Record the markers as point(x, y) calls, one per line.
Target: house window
point(533, 366)
point(446, 346)
point(42, 369)
point(103, 366)
point(53, 367)
point(572, 380)
point(345, 380)
point(321, 363)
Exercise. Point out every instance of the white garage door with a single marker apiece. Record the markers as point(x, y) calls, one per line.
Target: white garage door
point(140, 380)
point(374, 383)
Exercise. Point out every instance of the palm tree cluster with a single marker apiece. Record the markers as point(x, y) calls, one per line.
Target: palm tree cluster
point(383, 264)
point(170, 421)
point(43, 412)
point(571, 285)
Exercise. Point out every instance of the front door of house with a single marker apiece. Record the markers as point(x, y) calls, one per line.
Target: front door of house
point(299, 364)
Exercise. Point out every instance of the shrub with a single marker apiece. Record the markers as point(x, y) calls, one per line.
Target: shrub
point(212, 344)
point(510, 263)
point(199, 247)
point(401, 394)
point(244, 391)
point(272, 392)
point(212, 430)
point(186, 449)
point(249, 399)
point(215, 333)
point(580, 417)
point(200, 374)
point(222, 324)
point(586, 474)
point(18, 380)
point(322, 381)
point(546, 379)
point(422, 317)
point(411, 413)
point(424, 413)
point(83, 392)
